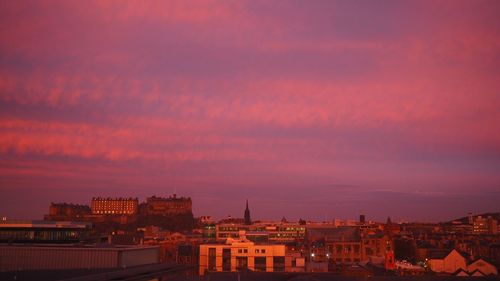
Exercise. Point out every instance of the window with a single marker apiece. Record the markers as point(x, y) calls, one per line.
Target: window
point(257, 251)
point(339, 249)
point(226, 259)
point(241, 263)
point(260, 264)
point(211, 259)
point(245, 251)
point(263, 251)
point(278, 264)
point(347, 249)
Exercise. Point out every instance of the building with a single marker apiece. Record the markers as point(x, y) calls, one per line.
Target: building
point(114, 206)
point(454, 263)
point(275, 232)
point(449, 263)
point(208, 232)
point(362, 219)
point(391, 228)
point(206, 220)
point(494, 254)
point(482, 266)
point(59, 257)
point(67, 212)
point(172, 205)
point(485, 225)
point(406, 268)
point(242, 254)
point(53, 232)
point(347, 245)
point(341, 222)
point(458, 226)
point(338, 244)
point(175, 247)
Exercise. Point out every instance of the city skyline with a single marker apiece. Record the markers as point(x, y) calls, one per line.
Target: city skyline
point(313, 110)
point(330, 218)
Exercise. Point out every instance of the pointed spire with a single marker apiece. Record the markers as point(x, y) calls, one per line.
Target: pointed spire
point(248, 221)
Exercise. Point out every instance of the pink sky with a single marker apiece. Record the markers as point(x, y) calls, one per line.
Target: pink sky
point(310, 109)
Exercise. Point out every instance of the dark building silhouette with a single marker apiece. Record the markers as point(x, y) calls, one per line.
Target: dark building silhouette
point(362, 219)
point(49, 232)
point(67, 212)
point(248, 221)
point(391, 228)
point(172, 205)
point(346, 244)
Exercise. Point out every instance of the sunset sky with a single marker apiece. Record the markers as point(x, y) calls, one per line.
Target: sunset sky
point(308, 109)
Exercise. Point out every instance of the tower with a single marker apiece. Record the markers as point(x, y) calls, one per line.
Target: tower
point(390, 263)
point(248, 221)
point(389, 222)
point(361, 219)
point(388, 228)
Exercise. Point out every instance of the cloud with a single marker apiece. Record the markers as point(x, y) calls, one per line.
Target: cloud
point(252, 94)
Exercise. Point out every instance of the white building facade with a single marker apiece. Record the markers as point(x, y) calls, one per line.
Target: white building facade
point(242, 254)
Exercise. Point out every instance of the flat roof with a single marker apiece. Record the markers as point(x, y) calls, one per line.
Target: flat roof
point(104, 247)
point(43, 224)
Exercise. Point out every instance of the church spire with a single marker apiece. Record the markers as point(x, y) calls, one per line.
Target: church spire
point(248, 221)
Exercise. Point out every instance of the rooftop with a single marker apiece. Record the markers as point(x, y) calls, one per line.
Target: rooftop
point(44, 224)
point(334, 233)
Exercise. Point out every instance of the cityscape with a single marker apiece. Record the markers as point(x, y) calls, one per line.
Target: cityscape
point(161, 239)
point(249, 140)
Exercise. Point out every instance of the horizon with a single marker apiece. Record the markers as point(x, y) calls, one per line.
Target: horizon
point(328, 219)
point(309, 110)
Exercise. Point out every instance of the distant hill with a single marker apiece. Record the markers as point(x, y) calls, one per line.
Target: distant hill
point(485, 215)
